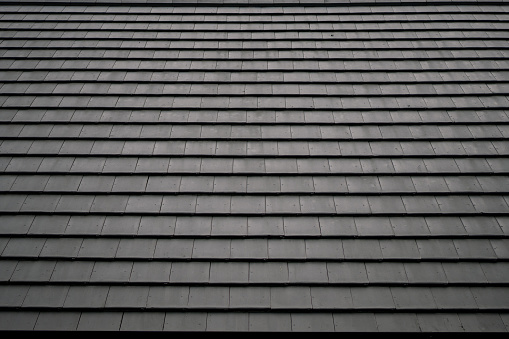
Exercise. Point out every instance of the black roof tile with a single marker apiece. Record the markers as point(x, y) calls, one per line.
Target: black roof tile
point(342, 164)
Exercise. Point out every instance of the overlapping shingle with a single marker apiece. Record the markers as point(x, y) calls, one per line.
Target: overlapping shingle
point(255, 165)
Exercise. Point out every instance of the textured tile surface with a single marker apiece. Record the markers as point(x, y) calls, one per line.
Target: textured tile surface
point(254, 165)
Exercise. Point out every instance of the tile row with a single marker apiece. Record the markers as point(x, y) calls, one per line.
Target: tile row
point(375, 65)
point(241, 184)
point(331, 26)
point(279, 89)
point(257, 298)
point(224, 165)
point(172, 31)
point(249, 18)
point(254, 131)
point(209, 148)
point(466, 45)
point(243, 117)
point(189, 204)
point(36, 76)
point(255, 227)
point(72, 101)
point(236, 273)
point(257, 321)
point(102, 7)
point(253, 249)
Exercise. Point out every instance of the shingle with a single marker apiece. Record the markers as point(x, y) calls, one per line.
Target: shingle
point(61, 248)
point(425, 272)
point(190, 272)
point(208, 297)
point(362, 249)
point(229, 226)
point(372, 297)
point(355, 322)
point(45, 296)
point(386, 273)
point(479, 322)
point(142, 321)
point(126, 225)
point(290, 297)
point(270, 322)
point(287, 248)
point(15, 320)
point(193, 225)
point(16, 224)
point(268, 272)
point(111, 272)
point(369, 226)
point(127, 297)
point(13, 296)
point(249, 249)
point(265, 226)
point(413, 298)
point(445, 225)
point(337, 226)
point(192, 321)
point(100, 321)
point(57, 321)
point(24, 247)
point(167, 296)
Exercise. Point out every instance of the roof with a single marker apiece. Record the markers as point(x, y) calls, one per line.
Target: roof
point(254, 165)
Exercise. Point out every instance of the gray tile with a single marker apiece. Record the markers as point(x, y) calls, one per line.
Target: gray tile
point(372, 298)
point(270, 322)
point(45, 296)
point(16, 320)
point(100, 321)
point(111, 272)
point(127, 297)
point(142, 321)
point(227, 322)
point(57, 321)
point(413, 298)
point(249, 297)
point(314, 322)
point(13, 296)
point(292, 297)
point(167, 296)
point(197, 272)
point(479, 322)
point(192, 321)
point(355, 322)
point(209, 297)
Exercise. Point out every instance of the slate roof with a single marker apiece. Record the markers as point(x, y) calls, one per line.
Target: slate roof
point(254, 165)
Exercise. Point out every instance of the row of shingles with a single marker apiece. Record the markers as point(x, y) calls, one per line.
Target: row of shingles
point(259, 89)
point(257, 10)
point(288, 298)
point(313, 15)
point(250, 273)
point(145, 68)
point(407, 227)
point(257, 102)
point(257, 149)
point(259, 322)
point(366, 131)
point(118, 31)
point(312, 248)
point(309, 18)
point(255, 166)
point(241, 184)
point(255, 204)
point(189, 77)
point(246, 118)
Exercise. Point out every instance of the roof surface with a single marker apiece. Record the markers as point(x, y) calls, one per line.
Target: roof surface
point(297, 167)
